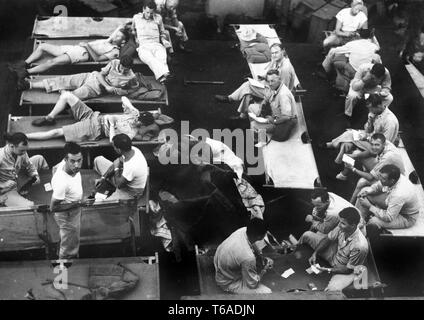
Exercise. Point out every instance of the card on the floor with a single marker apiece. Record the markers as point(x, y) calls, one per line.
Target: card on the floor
point(287, 273)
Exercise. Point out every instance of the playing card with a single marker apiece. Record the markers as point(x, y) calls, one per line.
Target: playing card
point(48, 187)
point(287, 273)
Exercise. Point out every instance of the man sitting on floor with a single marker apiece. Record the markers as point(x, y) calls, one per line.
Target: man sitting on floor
point(380, 120)
point(345, 248)
point(235, 261)
point(14, 163)
point(93, 126)
point(346, 59)
point(390, 203)
point(349, 21)
point(98, 50)
point(370, 78)
point(151, 38)
point(129, 171)
point(325, 214)
point(281, 100)
point(116, 78)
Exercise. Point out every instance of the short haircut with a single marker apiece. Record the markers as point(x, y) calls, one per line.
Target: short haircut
point(393, 172)
point(378, 70)
point(126, 61)
point(17, 138)
point(146, 118)
point(351, 215)
point(320, 193)
point(365, 33)
point(273, 71)
point(279, 45)
point(122, 142)
point(379, 136)
point(357, 2)
point(374, 99)
point(126, 33)
point(151, 4)
point(256, 228)
point(71, 148)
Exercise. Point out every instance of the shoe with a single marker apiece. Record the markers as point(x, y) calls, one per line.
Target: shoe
point(341, 177)
point(222, 98)
point(23, 85)
point(43, 122)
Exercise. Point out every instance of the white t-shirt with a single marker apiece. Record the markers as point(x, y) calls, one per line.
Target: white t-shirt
point(66, 187)
point(135, 170)
point(360, 52)
point(349, 22)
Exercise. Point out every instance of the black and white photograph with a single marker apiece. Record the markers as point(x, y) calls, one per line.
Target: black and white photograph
point(212, 154)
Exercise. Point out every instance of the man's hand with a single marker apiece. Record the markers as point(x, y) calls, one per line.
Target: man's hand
point(363, 193)
point(365, 202)
point(37, 179)
point(270, 119)
point(349, 166)
point(8, 186)
point(110, 89)
point(118, 163)
point(313, 259)
point(97, 182)
point(269, 263)
point(309, 218)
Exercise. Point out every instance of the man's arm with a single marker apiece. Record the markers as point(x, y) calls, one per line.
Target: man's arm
point(358, 82)
point(387, 81)
point(250, 274)
point(394, 208)
point(338, 31)
point(328, 224)
point(101, 78)
point(57, 205)
point(93, 54)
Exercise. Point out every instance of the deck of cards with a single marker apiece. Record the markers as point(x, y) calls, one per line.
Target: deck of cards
point(314, 269)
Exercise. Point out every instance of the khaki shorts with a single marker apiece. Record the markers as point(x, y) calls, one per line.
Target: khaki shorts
point(75, 53)
point(88, 127)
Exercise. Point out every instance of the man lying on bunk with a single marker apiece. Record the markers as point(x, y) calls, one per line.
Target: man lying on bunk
point(390, 203)
point(235, 261)
point(14, 163)
point(274, 91)
point(369, 78)
point(98, 50)
point(345, 248)
point(67, 199)
point(325, 214)
point(129, 171)
point(115, 78)
point(381, 153)
point(345, 60)
point(380, 120)
point(92, 125)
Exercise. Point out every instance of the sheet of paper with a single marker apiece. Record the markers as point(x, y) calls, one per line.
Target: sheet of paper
point(256, 118)
point(309, 270)
point(256, 83)
point(348, 160)
point(287, 273)
point(48, 187)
